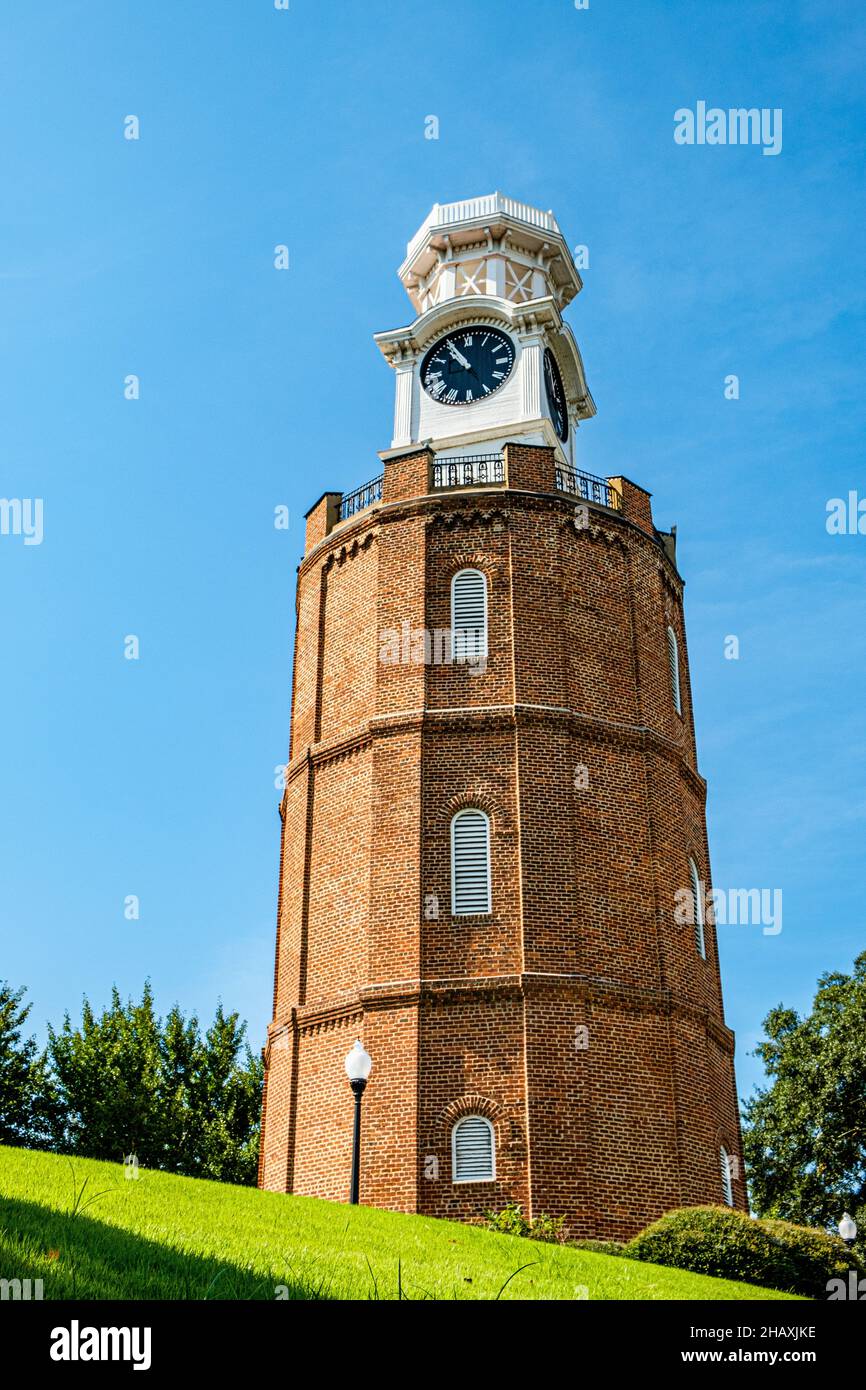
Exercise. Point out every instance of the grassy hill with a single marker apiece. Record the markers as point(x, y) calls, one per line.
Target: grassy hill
point(87, 1232)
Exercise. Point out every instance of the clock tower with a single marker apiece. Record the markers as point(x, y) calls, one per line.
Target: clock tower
point(494, 853)
point(489, 279)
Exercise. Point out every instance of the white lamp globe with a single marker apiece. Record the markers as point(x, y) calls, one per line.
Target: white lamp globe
point(359, 1063)
point(847, 1227)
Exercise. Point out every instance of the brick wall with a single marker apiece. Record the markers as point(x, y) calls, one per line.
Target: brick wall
point(577, 1015)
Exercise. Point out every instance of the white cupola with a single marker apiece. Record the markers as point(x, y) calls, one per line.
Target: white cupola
point(489, 357)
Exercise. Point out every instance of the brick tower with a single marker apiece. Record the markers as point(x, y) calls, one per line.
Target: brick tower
point(492, 806)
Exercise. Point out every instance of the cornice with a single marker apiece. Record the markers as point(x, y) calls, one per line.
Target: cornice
point(509, 716)
point(428, 993)
point(485, 504)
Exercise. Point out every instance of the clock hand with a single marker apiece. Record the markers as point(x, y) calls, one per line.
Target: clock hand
point(460, 358)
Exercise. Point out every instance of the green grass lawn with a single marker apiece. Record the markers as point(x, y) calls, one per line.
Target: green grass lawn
point(87, 1232)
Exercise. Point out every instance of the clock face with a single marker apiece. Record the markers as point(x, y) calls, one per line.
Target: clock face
point(467, 365)
point(555, 395)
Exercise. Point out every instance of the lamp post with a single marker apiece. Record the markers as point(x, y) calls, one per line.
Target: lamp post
point(848, 1229)
point(359, 1064)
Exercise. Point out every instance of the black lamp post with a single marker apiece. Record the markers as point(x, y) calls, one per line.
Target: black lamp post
point(359, 1064)
point(848, 1229)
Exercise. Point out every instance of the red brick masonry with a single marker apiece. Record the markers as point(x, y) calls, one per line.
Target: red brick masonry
point(611, 1126)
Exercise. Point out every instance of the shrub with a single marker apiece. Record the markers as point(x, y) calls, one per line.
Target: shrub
point(511, 1222)
point(720, 1242)
point(729, 1245)
point(816, 1255)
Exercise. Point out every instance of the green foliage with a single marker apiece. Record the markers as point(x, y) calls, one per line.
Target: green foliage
point(511, 1222)
point(27, 1102)
point(89, 1234)
point(729, 1245)
point(717, 1241)
point(805, 1135)
point(817, 1255)
point(128, 1083)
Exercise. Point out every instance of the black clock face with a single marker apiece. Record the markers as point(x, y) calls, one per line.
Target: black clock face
point(467, 365)
point(555, 395)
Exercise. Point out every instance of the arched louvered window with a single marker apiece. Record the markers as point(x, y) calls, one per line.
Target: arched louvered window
point(727, 1184)
point(700, 940)
point(470, 862)
point(469, 616)
point(473, 1150)
point(674, 663)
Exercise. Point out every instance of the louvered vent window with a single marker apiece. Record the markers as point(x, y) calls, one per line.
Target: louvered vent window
point(674, 663)
point(469, 616)
point(727, 1185)
point(470, 863)
point(699, 909)
point(473, 1152)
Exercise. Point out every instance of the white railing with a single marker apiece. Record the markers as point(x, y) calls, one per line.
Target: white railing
point(444, 214)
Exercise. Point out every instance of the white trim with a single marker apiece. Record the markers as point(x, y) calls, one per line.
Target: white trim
point(481, 653)
point(727, 1182)
point(473, 911)
point(700, 935)
point(674, 664)
point(491, 1175)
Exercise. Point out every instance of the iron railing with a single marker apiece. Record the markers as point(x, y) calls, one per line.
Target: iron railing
point(471, 470)
point(362, 497)
point(589, 487)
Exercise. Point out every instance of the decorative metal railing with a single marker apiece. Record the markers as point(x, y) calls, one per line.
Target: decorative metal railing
point(362, 497)
point(471, 470)
point(589, 487)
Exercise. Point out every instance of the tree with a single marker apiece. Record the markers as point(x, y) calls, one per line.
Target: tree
point(184, 1103)
point(230, 1102)
point(805, 1135)
point(26, 1098)
point(107, 1073)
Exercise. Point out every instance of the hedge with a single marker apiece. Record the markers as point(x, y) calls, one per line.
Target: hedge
point(729, 1245)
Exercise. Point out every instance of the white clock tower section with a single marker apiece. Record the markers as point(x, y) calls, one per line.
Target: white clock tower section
point(489, 262)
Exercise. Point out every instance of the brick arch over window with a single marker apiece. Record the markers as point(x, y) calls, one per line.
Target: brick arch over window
point(472, 560)
point(472, 1105)
point(470, 801)
point(508, 1132)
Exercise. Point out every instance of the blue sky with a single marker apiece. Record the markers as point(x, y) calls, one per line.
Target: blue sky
point(258, 388)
